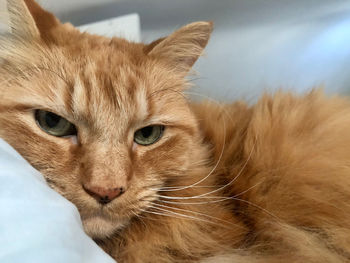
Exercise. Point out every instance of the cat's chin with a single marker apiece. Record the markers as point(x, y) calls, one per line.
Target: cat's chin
point(100, 227)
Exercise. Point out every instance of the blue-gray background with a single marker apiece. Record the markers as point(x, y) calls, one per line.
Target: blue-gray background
point(257, 45)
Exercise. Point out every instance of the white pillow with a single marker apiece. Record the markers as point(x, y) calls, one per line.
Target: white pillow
point(37, 224)
point(127, 26)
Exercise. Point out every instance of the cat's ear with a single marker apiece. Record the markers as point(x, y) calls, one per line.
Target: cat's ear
point(44, 20)
point(18, 19)
point(26, 19)
point(184, 46)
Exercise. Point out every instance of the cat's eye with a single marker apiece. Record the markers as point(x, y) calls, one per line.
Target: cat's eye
point(148, 135)
point(54, 124)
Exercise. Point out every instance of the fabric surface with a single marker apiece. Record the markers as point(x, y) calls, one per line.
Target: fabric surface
point(37, 225)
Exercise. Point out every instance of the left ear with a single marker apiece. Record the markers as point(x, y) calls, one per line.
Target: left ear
point(26, 19)
point(20, 21)
point(184, 46)
point(44, 20)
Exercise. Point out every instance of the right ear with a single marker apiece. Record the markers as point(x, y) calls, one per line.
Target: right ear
point(26, 19)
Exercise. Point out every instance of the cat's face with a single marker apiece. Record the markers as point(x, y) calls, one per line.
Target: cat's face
point(107, 91)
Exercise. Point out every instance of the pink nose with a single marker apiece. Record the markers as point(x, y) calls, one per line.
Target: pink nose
point(104, 195)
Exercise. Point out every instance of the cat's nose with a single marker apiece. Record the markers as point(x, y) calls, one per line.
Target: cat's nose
point(104, 195)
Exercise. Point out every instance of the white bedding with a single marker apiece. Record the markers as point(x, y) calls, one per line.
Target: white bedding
point(37, 225)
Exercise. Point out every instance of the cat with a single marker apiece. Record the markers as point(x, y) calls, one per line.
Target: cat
point(158, 178)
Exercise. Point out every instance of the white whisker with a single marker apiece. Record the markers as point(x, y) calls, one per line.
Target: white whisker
point(216, 190)
point(243, 192)
point(196, 186)
point(221, 200)
point(181, 216)
point(197, 213)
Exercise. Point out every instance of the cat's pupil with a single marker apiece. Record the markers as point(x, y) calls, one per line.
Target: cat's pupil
point(52, 119)
point(147, 131)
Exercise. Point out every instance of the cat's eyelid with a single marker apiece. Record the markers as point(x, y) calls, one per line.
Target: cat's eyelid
point(62, 114)
point(166, 121)
point(163, 120)
point(54, 108)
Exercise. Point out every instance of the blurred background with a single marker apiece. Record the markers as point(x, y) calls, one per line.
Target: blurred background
point(257, 45)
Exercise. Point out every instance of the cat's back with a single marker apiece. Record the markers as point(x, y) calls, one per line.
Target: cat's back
point(279, 129)
point(287, 162)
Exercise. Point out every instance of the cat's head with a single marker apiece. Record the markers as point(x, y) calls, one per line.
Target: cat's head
point(104, 120)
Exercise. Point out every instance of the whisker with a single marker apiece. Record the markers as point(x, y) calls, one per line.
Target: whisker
point(212, 170)
point(209, 99)
point(161, 214)
point(181, 216)
point(216, 190)
point(196, 186)
point(140, 217)
point(221, 200)
point(196, 213)
point(241, 193)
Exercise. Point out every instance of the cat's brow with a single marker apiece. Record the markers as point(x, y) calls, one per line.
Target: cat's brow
point(57, 74)
point(165, 90)
point(23, 73)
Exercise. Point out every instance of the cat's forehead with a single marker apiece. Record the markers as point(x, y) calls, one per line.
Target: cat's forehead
point(104, 94)
point(106, 84)
point(117, 88)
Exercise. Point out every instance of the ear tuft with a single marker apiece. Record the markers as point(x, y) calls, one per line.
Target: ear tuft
point(184, 46)
point(26, 19)
point(21, 21)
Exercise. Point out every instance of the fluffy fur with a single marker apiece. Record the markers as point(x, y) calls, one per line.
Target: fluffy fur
point(226, 183)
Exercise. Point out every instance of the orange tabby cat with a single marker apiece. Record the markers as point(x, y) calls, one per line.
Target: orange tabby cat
point(157, 179)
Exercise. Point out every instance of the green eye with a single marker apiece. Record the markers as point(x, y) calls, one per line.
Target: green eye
point(148, 135)
point(53, 124)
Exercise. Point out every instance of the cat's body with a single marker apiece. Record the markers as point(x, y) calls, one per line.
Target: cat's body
point(288, 159)
point(231, 183)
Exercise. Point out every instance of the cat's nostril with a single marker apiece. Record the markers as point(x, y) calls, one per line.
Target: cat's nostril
point(104, 195)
